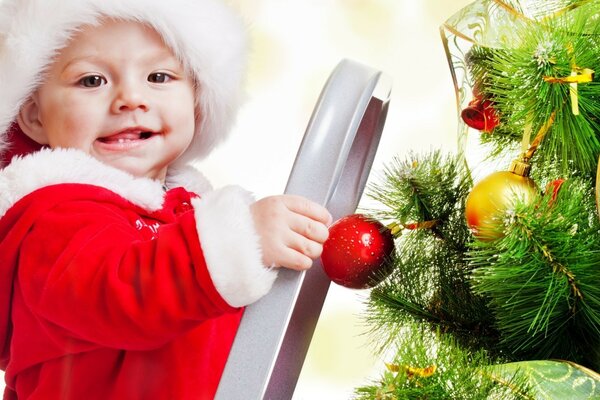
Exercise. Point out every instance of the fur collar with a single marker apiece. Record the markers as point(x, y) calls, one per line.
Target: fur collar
point(54, 166)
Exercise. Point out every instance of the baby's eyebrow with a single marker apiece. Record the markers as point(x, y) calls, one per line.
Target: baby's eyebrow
point(75, 60)
point(164, 59)
point(87, 58)
point(163, 56)
point(80, 58)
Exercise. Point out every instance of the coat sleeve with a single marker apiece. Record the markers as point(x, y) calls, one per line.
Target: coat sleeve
point(87, 273)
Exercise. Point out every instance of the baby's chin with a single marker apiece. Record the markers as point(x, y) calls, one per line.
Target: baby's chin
point(141, 162)
point(139, 168)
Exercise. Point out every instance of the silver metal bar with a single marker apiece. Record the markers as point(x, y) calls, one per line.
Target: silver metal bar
point(331, 168)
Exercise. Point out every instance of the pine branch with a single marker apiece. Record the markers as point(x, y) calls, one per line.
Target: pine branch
point(432, 365)
point(429, 281)
point(541, 277)
point(534, 292)
point(530, 82)
point(429, 284)
point(424, 188)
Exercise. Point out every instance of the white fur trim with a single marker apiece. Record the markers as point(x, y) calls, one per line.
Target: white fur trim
point(208, 38)
point(231, 246)
point(50, 167)
point(188, 177)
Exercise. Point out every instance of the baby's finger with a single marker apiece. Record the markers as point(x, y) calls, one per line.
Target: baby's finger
point(310, 209)
point(293, 259)
point(309, 228)
point(307, 247)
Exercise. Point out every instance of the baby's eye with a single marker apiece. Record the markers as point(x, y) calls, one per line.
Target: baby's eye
point(159, 77)
point(92, 81)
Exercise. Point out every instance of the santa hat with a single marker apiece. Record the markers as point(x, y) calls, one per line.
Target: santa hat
point(205, 35)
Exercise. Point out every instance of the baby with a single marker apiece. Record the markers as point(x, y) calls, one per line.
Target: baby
point(123, 275)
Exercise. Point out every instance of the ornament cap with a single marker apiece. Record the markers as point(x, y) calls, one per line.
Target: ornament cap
point(520, 167)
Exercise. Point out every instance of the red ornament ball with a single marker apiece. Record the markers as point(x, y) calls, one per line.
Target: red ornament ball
point(357, 252)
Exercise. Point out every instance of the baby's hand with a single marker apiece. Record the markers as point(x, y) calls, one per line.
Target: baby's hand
point(292, 230)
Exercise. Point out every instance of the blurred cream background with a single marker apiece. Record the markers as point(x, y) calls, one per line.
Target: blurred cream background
point(296, 44)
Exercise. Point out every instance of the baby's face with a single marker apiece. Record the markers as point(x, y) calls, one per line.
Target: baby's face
point(118, 93)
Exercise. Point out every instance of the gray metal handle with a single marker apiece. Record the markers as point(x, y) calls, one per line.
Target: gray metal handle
point(331, 168)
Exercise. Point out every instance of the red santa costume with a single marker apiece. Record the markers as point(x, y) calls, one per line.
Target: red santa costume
point(110, 287)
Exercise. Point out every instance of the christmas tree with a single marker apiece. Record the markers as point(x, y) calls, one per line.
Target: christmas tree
point(495, 283)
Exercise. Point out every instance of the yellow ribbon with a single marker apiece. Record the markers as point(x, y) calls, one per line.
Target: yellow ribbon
point(412, 371)
point(395, 228)
point(527, 134)
point(539, 136)
point(578, 75)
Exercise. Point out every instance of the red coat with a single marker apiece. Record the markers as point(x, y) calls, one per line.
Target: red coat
point(111, 288)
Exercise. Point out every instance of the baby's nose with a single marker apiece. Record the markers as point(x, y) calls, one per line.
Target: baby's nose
point(129, 97)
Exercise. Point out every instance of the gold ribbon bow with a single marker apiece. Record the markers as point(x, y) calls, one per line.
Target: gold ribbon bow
point(578, 75)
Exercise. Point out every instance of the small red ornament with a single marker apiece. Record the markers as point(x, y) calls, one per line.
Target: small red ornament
point(356, 253)
point(554, 186)
point(481, 115)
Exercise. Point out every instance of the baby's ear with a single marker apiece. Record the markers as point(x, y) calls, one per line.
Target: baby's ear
point(29, 120)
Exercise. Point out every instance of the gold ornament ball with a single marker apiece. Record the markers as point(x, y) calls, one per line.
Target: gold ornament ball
point(492, 197)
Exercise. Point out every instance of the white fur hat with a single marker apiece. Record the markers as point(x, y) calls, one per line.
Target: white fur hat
point(208, 38)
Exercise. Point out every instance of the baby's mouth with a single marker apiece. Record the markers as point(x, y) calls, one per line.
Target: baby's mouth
point(127, 136)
